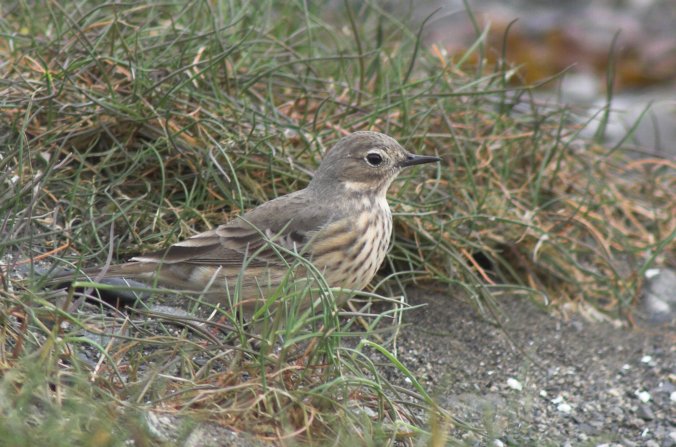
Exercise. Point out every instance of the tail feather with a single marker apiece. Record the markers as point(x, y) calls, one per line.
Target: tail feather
point(131, 270)
point(125, 276)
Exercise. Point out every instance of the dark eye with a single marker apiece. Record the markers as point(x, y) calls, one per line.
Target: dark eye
point(374, 159)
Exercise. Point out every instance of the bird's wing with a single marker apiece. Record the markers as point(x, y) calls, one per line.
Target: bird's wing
point(290, 221)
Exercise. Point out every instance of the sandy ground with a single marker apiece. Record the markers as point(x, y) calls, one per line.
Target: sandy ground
point(586, 383)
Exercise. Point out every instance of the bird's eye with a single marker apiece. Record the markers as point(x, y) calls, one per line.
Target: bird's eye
point(374, 158)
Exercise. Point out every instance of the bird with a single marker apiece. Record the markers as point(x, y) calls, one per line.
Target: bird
point(341, 223)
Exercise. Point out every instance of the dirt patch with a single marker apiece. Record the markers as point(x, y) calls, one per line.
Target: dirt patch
point(589, 383)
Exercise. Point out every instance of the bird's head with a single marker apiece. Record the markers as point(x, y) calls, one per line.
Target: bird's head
point(364, 162)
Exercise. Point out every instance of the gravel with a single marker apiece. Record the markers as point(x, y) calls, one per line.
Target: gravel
point(565, 381)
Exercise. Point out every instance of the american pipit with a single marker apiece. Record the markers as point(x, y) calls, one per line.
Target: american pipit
point(341, 222)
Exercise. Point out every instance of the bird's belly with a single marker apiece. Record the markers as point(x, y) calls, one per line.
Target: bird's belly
point(227, 283)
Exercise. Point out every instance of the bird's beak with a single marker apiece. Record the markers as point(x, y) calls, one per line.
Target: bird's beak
point(412, 159)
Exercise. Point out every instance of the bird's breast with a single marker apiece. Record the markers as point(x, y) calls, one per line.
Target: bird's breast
point(350, 250)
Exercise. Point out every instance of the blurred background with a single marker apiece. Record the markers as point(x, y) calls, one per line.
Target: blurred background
point(582, 47)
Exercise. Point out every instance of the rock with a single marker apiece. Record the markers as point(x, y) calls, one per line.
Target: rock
point(643, 396)
point(634, 423)
point(645, 413)
point(670, 441)
point(587, 429)
point(659, 299)
point(514, 384)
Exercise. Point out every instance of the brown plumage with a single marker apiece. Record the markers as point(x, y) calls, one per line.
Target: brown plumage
point(340, 222)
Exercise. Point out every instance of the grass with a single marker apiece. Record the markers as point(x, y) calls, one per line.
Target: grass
point(125, 127)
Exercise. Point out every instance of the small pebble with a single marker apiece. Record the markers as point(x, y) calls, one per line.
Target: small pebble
point(643, 396)
point(634, 423)
point(514, 384)
point(564, 408)
point(645, 412)
point(652, 273)
point(614, 392)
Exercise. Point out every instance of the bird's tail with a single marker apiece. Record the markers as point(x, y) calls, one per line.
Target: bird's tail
point(126, 280)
